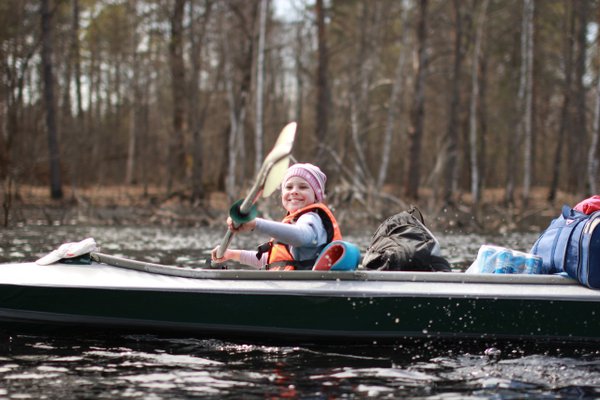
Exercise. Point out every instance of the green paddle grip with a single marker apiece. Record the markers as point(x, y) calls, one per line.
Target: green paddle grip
point(240, 218)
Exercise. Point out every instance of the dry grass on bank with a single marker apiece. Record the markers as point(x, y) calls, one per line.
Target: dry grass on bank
point(138, 205)
point(109, 205)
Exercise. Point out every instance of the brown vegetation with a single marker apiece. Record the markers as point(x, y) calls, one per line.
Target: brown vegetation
point(134, 205)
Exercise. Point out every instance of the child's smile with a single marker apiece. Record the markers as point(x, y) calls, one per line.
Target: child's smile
point(296, 193)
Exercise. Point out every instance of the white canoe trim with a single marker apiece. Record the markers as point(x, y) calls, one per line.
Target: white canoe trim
point(360, 284)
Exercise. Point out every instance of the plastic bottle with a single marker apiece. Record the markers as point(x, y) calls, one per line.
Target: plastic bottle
point(503, 261)
point(519, 263)
point(533, 264)
point(487, 259)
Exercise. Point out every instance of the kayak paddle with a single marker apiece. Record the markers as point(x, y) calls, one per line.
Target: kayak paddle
point(269, 177)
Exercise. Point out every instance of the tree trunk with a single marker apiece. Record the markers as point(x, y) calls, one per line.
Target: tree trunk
point(133, 131)
point(415, 132)
point(237, 98)
point(78, 124)
point(527, 81)
point(135, 98)
point(569, 32)
point(77, 61)
point(451, 140)
point(235, 119)
point(578, 135)
point(196, 114)
point(260, 74)
point(176, 140)
point(395, 103)
point(364, 65)
point(65, 124)
point(11, 110)
point(298, 72)
point(512, 142)
point(322, 103)
point(53, 147)
point(593, 150)
point(475, 172)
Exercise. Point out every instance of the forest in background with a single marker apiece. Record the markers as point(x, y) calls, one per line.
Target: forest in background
point(396, 100)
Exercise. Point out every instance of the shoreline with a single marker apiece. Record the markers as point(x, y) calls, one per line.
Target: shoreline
point(133, 205)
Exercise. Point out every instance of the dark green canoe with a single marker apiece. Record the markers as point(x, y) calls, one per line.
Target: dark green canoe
point(299, 306)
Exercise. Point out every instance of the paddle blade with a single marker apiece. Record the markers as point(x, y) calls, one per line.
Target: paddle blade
point(275, 176)
point(283, 145)
point(279, 159)
point(286, 136)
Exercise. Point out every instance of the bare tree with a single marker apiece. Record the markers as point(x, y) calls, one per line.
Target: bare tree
point(260, 74)
point(322, 84)
point(238, 90)
point(237, 114)
point(526, 94)
point(197, 114)
point(135, 96)
point(364, 65)
point(176, 140)
point(15, 60)
point(565, 115)
point(593, 150)
point(516, 136)
point(395, 104)
point(75, 59)
point(53, 147)
point(578, 135)
point(298, 72)
point(75, 48)
point(475, 173)
point(450, 156)
point(415, 132)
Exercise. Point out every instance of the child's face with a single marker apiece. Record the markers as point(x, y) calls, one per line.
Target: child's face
point(296, 193)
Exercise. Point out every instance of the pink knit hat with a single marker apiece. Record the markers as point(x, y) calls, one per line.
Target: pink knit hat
point(310, 173)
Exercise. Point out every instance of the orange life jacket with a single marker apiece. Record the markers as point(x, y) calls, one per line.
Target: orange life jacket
point(281, 259)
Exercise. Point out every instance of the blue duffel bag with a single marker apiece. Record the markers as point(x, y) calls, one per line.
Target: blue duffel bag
point(571, 244)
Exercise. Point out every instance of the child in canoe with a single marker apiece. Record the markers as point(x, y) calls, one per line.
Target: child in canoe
point(306, 229)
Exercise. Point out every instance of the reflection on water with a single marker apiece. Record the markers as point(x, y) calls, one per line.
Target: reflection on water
point(108, 366)
point(151, 367)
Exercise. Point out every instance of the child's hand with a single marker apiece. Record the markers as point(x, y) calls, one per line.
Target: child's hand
point(213, 255)
point(226, 256)
point(247, 227)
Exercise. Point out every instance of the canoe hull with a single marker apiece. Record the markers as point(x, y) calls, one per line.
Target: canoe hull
point(306, 317)
point(360, 309)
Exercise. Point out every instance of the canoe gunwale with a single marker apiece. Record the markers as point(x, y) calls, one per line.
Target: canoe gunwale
point(359, 275)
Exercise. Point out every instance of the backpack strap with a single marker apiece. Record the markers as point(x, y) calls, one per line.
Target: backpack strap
point(571, 213)
point(415, 212)
point(326, 223)
point(263, 248)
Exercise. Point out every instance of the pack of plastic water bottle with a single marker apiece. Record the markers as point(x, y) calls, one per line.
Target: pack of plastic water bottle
point(500, 260)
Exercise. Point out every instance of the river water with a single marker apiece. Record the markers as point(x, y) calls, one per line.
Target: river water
point(96, 365)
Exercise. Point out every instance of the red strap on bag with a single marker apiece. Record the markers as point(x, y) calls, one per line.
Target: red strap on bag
point(589, 205)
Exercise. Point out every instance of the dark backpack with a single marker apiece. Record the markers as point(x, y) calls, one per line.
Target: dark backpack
point(403, 243)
